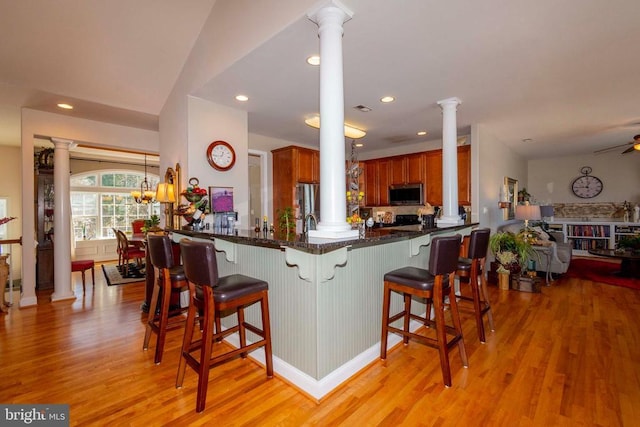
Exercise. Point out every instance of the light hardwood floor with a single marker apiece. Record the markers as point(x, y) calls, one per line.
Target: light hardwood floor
point(567, 356)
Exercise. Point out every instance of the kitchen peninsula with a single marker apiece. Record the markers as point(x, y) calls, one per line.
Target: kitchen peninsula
point(325, 297)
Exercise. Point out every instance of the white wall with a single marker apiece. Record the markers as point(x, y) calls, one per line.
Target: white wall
point(231, 31)
point(550, 179)
point(210, 122)
point(495, 161)
point(11, 189)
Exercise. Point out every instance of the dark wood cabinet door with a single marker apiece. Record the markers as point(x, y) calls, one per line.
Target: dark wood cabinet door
point(398, 170)
point(464, 175)
point(383, 181)
point(308, 166)
point(433, 177)
point(415, 168)
point(371, 194)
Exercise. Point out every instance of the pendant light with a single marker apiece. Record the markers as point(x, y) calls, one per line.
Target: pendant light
point(145, 195)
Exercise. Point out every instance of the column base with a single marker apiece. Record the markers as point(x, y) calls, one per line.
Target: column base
point(449, 221)
point(62, 297)
point(333, 234)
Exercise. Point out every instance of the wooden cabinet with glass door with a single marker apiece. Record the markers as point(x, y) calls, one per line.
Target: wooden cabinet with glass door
point(44, 228)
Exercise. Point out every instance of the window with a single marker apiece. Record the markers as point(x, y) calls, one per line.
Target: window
point(101, 201)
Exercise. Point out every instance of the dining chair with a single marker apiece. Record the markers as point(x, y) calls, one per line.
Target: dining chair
point(128, 252)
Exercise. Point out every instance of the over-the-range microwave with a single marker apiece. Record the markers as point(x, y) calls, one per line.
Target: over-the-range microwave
point(406, 194)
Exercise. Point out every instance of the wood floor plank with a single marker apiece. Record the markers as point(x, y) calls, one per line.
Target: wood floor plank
point(567, 356)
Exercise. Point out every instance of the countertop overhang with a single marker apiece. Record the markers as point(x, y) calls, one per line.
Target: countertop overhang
point(302, 242)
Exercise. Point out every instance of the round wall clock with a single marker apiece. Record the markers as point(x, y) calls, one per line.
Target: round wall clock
point(586, 186)
point(221, 155)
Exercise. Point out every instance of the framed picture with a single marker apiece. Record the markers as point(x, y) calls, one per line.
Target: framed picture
point(221, 199)
point(511, 196)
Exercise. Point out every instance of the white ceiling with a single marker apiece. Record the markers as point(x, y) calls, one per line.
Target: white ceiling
point(565, 74)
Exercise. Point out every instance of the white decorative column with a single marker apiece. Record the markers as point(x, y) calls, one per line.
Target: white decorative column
point(61, 224)
point(329, 17)
point(450, 214)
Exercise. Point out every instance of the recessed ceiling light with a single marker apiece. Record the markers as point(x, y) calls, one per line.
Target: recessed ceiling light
point(313, 60)
point(387, 99)
point(242, 98)
point(359, 144)
point(65, 106)
point(422, 133)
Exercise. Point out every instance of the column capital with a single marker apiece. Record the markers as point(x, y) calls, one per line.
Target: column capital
point(327, 7)
point(450, 102)
point(61, 142)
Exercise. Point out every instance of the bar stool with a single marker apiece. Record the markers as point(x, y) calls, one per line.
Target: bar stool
point(472, 267)
point(83, 265)
point(168, 277)
point(211, 294)
point(429, 284)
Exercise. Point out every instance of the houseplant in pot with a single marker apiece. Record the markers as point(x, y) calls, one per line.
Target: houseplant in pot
point(511, 252)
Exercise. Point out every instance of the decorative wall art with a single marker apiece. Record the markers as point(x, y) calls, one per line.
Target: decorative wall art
point(221, 199)
point(510, 194)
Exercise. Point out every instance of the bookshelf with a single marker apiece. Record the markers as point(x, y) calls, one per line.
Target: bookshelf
point(585, 235)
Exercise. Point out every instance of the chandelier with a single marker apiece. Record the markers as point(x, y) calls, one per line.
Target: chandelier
point(145, 195)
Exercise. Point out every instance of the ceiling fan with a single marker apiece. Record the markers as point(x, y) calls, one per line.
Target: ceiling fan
point(631, 146)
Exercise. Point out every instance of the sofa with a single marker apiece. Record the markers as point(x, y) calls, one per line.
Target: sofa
point(561, 250)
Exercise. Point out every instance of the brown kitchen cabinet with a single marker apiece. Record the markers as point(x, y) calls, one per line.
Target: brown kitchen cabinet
point(433, 176)
point(292, 165)
point(407, 169)
point(377, 177)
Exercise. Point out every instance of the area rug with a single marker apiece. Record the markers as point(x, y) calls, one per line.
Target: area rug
point(601, 272)
point(115, 274)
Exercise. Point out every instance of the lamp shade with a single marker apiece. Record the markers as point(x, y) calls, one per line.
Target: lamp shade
point(165, 193)
point(546, 211)
point(528, 212)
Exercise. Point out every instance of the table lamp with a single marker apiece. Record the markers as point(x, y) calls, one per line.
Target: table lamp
point(547, 214)
point(528, 212)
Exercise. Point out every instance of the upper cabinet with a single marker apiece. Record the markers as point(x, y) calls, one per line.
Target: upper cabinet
point(292, 165)
point(376, 182)
point(464, 175)
point(425, 167)
point(408, 169)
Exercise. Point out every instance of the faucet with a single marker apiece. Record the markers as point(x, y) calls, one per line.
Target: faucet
point(306, 221)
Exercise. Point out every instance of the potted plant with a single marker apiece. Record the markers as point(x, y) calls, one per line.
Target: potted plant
point(511, 252)
point(631, 243)
point(523, 195)
point(286, 221)
point(151, 224)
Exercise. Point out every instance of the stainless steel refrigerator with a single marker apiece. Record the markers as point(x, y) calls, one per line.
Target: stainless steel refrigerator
point(308, 201)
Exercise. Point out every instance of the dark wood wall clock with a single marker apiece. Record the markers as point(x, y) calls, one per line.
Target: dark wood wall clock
point(221, 155)
point(586, 186)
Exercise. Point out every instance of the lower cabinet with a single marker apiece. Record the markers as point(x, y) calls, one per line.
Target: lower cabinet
point(44, 266)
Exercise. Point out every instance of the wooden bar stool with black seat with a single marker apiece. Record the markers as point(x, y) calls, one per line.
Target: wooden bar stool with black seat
point(168, 277)
point(210, 294)
point(432, 284)
point(471, 267)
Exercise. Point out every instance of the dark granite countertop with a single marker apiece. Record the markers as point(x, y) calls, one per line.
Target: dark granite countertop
point(374, 236)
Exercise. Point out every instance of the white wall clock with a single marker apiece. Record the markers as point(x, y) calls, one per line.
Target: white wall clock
point(587, 186)
point(221, 155)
